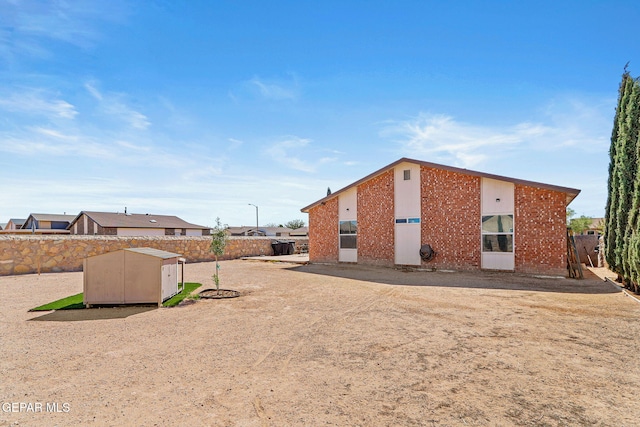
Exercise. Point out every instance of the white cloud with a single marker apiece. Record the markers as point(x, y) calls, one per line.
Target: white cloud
point(288, 152)
point(445, 139)
point(37, 101)
point(235, 143)
point(113, 104)
point(33, 23)
point(275, 91)
point(269, 89)
point(134, 147)
point(565, 122)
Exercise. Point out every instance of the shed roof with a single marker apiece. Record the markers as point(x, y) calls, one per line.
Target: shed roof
point(154, 252)
point(122, 220)
point(570, 192)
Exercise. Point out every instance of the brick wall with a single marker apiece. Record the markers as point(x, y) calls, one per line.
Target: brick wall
point(451, 218)
point(376, 220)
point(540, 231)
point(47, 253)
point(323, 232)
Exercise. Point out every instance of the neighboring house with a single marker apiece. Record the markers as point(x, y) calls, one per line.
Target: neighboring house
point(47, 224)
point(126, 224)
point(14, 224)
point(596, 227)
point(299, 232)
point(245, 231)
point(470, 220)
point(268, 231)
point(2, 226)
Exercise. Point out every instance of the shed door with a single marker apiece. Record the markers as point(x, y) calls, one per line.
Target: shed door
point(497, 225)
point(169, 278)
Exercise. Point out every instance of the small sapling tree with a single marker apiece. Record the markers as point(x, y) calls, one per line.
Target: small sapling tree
point(218, 243)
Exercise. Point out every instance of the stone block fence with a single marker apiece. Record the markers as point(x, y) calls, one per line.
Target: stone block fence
point(50, 254)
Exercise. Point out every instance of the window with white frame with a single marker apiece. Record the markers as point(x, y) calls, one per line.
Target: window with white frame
point(348, 234)
point(497, 233)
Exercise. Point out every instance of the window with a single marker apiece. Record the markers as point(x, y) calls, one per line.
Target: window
point(407, 220)
point(348, 234)
point(497, 233)
point(407, 174)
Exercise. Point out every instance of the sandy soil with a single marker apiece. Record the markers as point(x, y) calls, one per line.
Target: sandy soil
point(326, 345)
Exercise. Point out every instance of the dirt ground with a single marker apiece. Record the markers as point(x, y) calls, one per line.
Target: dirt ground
point(311, 345)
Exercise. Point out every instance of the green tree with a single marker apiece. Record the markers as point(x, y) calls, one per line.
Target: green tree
point(294, 224)
point(219, 240)
point(613, 184)
point(579, 225)
point(626, 169)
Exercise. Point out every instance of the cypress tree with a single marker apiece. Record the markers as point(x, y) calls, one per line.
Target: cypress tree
point(613, 181)
point(627, 167)
point(631, 250)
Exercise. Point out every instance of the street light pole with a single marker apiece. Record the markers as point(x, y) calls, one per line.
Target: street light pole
point(251, 204)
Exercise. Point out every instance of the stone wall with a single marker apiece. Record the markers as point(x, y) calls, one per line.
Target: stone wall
point(49, 253)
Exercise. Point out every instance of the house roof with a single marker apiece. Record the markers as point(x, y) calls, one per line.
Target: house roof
point(51, 217)
point(48, 217)
point(122, 220)
point(596, 223)
point(17, 221)
point(267, 230)
point(570, 192)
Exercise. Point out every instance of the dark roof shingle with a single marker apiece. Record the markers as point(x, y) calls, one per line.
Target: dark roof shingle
point(122, 220)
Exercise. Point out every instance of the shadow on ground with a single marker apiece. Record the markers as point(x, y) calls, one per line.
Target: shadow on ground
point(95, 313)
point(591, 284)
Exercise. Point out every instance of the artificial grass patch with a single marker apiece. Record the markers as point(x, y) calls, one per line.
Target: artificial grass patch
point(74, 302)
point(176, 299)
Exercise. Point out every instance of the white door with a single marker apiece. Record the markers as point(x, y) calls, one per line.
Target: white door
point(407, 243)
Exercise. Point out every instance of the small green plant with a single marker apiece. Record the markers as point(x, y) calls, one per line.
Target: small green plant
point(218, 243)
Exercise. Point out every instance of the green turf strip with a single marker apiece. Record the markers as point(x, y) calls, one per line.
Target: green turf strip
point(69, 303)
point(176, 299)
point(74, 302)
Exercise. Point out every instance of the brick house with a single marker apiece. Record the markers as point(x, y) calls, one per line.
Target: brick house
point(127, 224)
point(471, 220)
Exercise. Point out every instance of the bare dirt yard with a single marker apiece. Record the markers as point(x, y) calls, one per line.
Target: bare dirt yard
point(310, 345)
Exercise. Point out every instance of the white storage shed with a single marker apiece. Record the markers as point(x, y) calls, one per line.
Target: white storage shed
point(131, 276)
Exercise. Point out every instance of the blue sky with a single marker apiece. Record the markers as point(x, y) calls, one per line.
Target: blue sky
point(198, 108)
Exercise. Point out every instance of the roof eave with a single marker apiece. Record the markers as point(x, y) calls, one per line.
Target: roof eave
point(571, 193)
